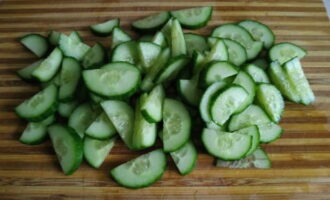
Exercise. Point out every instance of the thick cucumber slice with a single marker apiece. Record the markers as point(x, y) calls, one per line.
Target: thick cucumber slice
point(148, 53)
point(176, 125)
point(36, 43)
point(74, 35)
point(258, 75)
point(281, 81)
point(119, 36)
point(189, 91)
point(151, 23)
point(193, 18)
point(297, 78)
point(70, 75)
point(178, 44)
point(96, 151)
point(102, 128)
point(240, 35)
point(54, 37)
point(26, 72)
point(38, 107)
point(271, 100)
point(126, 52)
point(258, 159)
point(195, 42)
point(68, 147)
point(259, 32)
point(72, 48)
point(236, 52)
point(227, 103)
point(283, 52)
point(141, 171)
point(144, 134)
point(261, 62)
point(81, 118)
point(185, 158)
point(244, 80)
point(253, 131)
point(152, 106)
point(94, 57)
point(269, 132)
point(105, 28)
point(65, 109)
point(159, 39)
point(116, 80)
point(225, 145)
point(122, 117)
point(48, 67)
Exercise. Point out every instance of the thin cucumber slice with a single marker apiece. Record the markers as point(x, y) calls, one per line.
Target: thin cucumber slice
point(259, 32)
point(105, 28)
point(66, 108)
point(189, 91)
point(39, 106)
point(70, 75)
point(271, 100)
point(261, 62)
point(259, 159)
point(151, 23)
point(119, 36)
point(297, 78)
point(48, 67)
point(178, 44)
point(269, 132)
point(56, 80)
point(214, 126)
point(148, 53)
point(26, 72)
point(193, 18)
point(115, 80)
point(244, 80)
point(101, 128)
point(74, 35)
point(141, 171)
point(225, 145)
point(144, 134)
point(36, 43)
point(218, 52)
point(126, 52)
point(227, 103)
point(195, 42)
point(54, 37)
point(72, 48)
point(176, 125)
point(152, 106)
point(68, 147)
point(283, 52)
point(96, 151)
point(122, 117)
point(159, 39)
point(258, 75)
point(185, 158)
point(253, 131)
point(94, 57)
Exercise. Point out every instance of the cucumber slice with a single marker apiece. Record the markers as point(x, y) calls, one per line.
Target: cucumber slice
point(66, 108)
point(68, 147)
point(218, 52)
point(159, 39)
point(122, 117)
point(102, 128)
point(176, 125)
point(144, 134)
point(193, 18)
point(72, 48)
point(126, 52)
point(115, 80)
point(56, 80)
point(195, 42)
point(244, 80)
point(227, 103)
point(240, 35)
point(178, 44)
point(26, 72)
point(151, 23)
point(152, 106)
point(252, 131)
point(258, 75)
point(261, 62)
point(48, 67)
point(214, 126)
point(94, 57)
point(141, 171)
point(281, 81)
point(119, 36)
point(105, 28)
point(70, 75)
point(269, 132)
point(54, 37)
point(36, 43)
point(189, 91)
point(74, 35)
point(283, 52)
point(185, 158)
point(96, 151)
point(259, 32)
point(271, 100)
point(297, 78)
point(258, 159)
point(39, 106)
point(225, 145)
point(148, 53)
point(198, 62)
point(166, 30)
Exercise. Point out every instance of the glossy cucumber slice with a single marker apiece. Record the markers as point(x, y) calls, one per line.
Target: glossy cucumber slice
point(126, 52)
point(105, 28)
point(152, 106)
point(253, 131)
point(148, 53)
point(119, 36)
point(72, 47)
point(258, 74)
point(151, 23)
point(94, 57)
point(193, 18)
point(185, 158)
point(101, 128)
point(283, 52)
point(244, 80)
point(36, 43)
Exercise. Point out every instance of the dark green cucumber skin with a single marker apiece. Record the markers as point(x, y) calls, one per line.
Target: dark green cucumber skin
point(153, 29)
point(46, 39)
point(200, 25)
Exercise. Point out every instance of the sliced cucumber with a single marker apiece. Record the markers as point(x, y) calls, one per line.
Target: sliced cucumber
point(141, 171)
point(26, 72)
point(193, 18)
point(253, 131)
point(159, 39)
point(176, 125)
point(94, 57)
point(185, 158)
point(54, 37)
point(189, 91)
point(269, 132)
point(126, 52)
point(261, 62)
point(152, 106)
point(102, 128)
point(56, 80)
point(148, 53)
point(105, 28)
point(244, 80)
point(36, 43)
point(151, 23)
point(72, 48)
point(74, 35)
point(166, 30)
point(218, 52)
point(68, 147)
point(119, 36)
point(214, 126)
point(195, 42)
point(283, 52)
point(66, 108)
point(70, 75)
point(258, 75)
point(178, 44)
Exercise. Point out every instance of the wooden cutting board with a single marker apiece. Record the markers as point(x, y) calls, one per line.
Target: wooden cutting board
point(301, 158)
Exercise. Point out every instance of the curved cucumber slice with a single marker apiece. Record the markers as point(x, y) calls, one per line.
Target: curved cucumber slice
point(70, 75)
point(178, 44)
point(214, 126)
point(283, 52)
point(269, 132)
point(185, 158)
point(152, 106)
point(105, 28)
point(65, 109)
point(159, 39)
point(119, 36)
point(72, 47)
point(244, 80)
point(253, 131)
point(227, 146)
point(96, 151)
point(141, 171)
point(258, 74)
point(38, 107)
point(198, 62)
point(54, 37)
point(193, 18)
point(26, 72)
point(218, 52)
point(68, 147)
point(195, 42)
point(151, 23)
point(74, 35)
point(102, 128)
point(94, 57)
point(126, 52)
point(189, 91)
point(148, 53)
point(36, 43)
point(176, 125)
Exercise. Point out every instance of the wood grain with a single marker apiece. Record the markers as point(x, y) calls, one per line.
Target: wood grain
point(301, 158)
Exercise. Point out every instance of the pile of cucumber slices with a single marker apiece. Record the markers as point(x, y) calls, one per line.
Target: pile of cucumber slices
point(167, 85)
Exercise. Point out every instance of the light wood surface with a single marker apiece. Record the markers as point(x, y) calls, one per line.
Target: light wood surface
point(301, 158)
